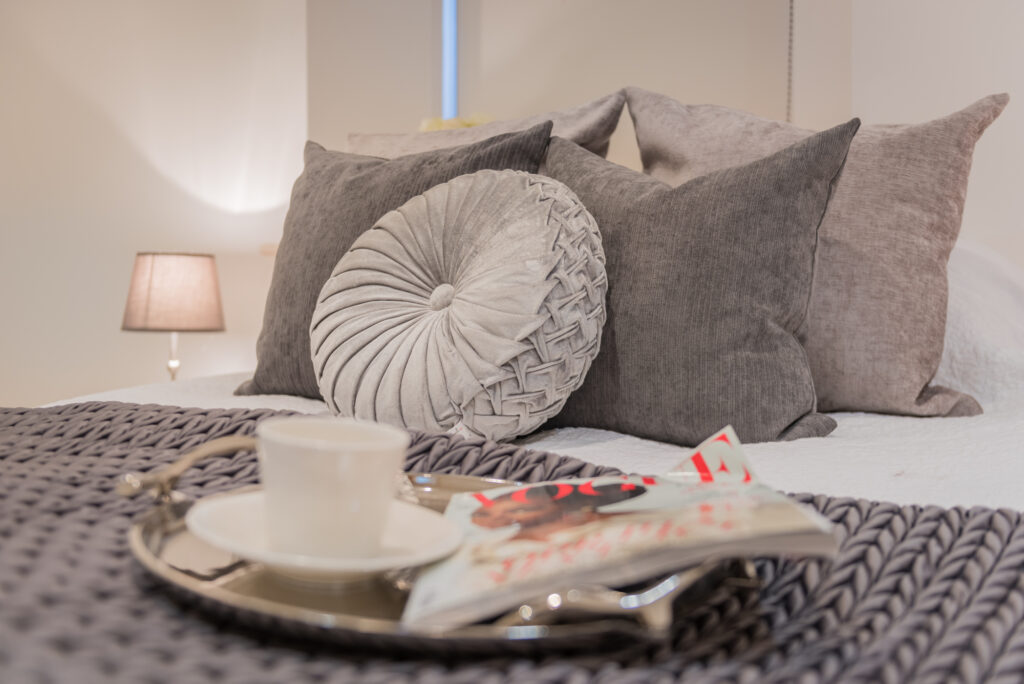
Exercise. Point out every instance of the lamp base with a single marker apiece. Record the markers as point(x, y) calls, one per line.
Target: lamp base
point(173, 364)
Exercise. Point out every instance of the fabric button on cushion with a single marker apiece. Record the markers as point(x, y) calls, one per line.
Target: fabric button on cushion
point(442, 296)
point(478, 304)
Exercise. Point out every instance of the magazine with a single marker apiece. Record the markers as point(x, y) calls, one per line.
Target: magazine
point(522, 542)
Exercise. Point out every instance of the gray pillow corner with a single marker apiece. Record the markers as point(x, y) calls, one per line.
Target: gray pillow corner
point(987, 110)
point(311, 149)
point(937, 400)
point(996, 102)
point(247, 388)
point(811, 425)
point(966, 406)
point(616, 103)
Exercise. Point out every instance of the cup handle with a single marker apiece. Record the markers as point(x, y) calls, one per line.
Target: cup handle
point(162, 482)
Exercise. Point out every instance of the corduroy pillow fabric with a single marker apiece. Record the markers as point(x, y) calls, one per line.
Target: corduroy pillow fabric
point(708, 290)
point(590, 125)
point(876, 323)
point(476, 306)
point(337, 198)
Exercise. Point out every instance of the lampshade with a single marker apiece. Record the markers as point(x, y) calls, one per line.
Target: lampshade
point(174, 292)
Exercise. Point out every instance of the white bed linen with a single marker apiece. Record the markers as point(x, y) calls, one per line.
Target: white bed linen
point(946, 461)
point(212, 391)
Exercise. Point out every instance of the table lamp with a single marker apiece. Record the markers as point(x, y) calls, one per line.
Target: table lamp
point(173, 292)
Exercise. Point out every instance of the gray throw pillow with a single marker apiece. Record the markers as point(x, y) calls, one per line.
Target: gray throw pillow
point(876, 323)
point(708, 285)
point(475, 307)
point(337, 198)
point(590, 125)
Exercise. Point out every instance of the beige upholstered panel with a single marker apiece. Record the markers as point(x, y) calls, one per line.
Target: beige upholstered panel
point(589, 125)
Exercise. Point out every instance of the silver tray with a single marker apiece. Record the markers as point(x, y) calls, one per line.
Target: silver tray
point(595, 619)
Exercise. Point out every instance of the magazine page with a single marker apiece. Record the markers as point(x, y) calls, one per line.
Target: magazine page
point(521, 542)
point(718, 460)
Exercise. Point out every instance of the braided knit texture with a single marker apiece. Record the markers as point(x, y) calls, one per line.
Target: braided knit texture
point(917, 594)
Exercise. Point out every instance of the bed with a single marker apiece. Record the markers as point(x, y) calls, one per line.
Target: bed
point(944, 461)
point(927, 585)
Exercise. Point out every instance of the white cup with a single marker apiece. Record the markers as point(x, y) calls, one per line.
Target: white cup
point(328, 483)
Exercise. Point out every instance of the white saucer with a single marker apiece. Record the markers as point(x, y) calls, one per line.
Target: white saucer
point(413, 536)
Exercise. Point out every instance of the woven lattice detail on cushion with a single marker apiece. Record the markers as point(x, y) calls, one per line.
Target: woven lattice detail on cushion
point(476, 306)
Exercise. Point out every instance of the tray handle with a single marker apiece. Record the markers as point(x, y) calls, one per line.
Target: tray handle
point(161, 483)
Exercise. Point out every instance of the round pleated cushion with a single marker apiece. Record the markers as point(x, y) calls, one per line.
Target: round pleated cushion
point(474, 307)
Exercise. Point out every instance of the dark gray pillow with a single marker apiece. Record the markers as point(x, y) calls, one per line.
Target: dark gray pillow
point(337, 198)
point(708, 286)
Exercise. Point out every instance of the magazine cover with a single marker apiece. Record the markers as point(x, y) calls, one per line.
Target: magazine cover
point(521, 542)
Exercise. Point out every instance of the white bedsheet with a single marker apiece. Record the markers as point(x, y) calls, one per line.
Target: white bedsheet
point(213, 391)
point(945, 461)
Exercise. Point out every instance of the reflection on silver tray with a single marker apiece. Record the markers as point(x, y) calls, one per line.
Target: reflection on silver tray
point(367, 615)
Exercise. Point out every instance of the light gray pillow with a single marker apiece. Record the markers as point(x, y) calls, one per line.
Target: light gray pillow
point(590, 125)
point(708, 290)
point(476, 306)
point(336, 199)
point(878, 309)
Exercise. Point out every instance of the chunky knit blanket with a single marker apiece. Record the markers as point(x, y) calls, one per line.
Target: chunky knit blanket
point(917, 594)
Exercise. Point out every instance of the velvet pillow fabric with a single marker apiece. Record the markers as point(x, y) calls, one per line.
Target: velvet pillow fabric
point(475, 307)
point(337, 198)
point(590, 125)
point(709, 285)
point(877, 316)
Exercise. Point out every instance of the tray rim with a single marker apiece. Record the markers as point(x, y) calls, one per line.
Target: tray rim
point(341, 623)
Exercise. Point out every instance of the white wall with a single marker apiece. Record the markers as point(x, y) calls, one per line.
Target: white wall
point(130, 125)
point(905, 61)
point(916, 60)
